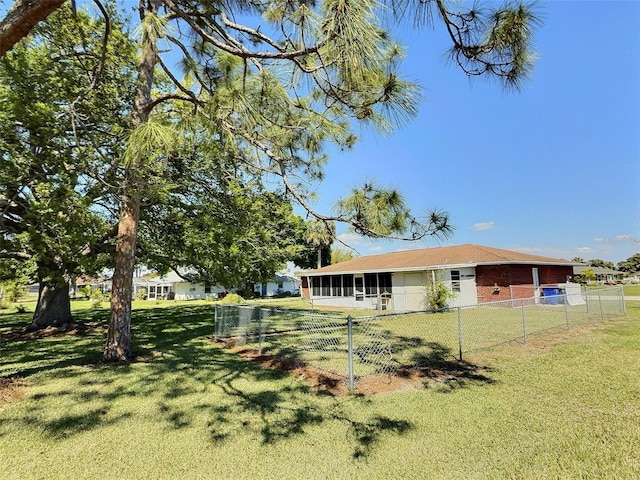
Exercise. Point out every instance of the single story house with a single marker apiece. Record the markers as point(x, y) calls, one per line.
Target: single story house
point(172, 286)
point(602, 274)
point(398, 281)
point(282, 284)
point(632, 277)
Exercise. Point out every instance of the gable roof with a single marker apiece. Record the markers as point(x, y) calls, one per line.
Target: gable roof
point(467, 255)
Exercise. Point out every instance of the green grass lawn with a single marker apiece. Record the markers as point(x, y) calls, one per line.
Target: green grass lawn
point(562, 406)
point(632, 290)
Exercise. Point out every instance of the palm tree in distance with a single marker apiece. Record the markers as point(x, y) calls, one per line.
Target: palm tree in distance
point(320, 234)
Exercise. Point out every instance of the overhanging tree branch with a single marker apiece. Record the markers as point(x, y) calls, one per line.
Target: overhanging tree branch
point(21, 18)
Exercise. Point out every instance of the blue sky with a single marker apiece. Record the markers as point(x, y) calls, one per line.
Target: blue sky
point(551, 170)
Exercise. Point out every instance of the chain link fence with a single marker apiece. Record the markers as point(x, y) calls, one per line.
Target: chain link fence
point(353, 348)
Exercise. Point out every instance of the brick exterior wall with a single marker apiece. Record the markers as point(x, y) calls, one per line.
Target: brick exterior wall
point(487, 276)
point(304, 288)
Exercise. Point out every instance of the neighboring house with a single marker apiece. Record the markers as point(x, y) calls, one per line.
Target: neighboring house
point(632, 277)
point(76, 288)
point(173, 286)
point(603, 275)
point(398, 281)
point(282, 284)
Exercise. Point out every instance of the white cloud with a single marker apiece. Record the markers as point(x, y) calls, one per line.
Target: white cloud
point(584, 249)
point(632, 239)
point(350, 238)
point(480, 226)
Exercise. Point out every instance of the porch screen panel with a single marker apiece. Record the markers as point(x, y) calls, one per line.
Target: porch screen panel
point(347, 285)
point(336, 286)
point(326, 286)
point(371, 283)
point(315, 286)
point(384, 282)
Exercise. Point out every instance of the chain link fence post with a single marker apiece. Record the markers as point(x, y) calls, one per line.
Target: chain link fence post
point(459, 333)
point(352, 383)
point(260, 332)
point(600, 303)
point(216, 325)
point(524, 324)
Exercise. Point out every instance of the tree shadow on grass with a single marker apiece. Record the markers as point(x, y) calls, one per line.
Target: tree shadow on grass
point(179, 375)
point(288, 411)
point(439, 367)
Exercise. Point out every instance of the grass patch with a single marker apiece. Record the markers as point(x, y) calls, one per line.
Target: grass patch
point(567, 408)
point(632, 290)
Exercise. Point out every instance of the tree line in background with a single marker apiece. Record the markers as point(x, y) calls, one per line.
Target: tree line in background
point(186, 146)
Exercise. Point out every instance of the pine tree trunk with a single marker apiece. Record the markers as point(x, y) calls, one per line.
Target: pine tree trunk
point(118, 345)
point(54, 307)
point(320, 257)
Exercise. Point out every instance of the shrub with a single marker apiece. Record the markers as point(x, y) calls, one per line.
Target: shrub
point(97, 297)
point(14, 289)
point(232, 298)
point(141, 294)
point(438, 295)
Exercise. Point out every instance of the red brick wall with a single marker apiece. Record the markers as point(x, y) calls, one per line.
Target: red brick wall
point(487, 276)
point(304, 290)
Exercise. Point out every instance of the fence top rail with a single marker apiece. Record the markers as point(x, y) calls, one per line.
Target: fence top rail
point(283, 311)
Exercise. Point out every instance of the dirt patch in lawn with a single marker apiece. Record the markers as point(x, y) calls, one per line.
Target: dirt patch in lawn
point(11, 389)
point(27, 333)
point(444, 375)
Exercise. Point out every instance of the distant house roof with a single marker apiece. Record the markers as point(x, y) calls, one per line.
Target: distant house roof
point(167, 279)
point(467, 255)
point(283, 277)
point(578, 269)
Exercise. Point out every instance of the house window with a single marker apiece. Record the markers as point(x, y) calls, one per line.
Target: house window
point(207, 288)
point(336, 286)
point(455, 281)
